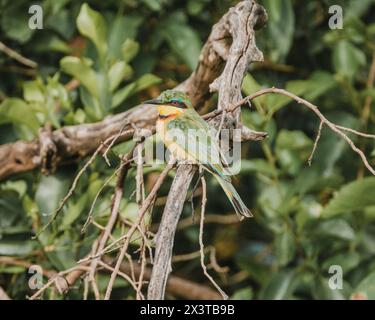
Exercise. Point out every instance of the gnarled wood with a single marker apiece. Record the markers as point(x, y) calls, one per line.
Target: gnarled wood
point(75, 142)
point(239, 25)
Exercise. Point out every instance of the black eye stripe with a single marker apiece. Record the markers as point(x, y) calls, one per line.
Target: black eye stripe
point(178, 104)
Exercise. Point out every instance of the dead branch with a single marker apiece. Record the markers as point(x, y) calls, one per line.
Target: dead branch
point(75, 142)
point(201, 244)
point(16, 56)
point(53, 280)
point(222, 65)
point(210, 218)
point(127, 237)
point(339, 130)
point(119, 191)
point(238, 24)
point(176, 286)
point(165, 236)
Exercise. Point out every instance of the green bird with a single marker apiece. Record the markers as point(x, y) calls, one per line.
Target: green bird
point(189, 138)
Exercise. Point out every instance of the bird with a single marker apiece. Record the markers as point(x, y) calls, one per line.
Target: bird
point(189, 138)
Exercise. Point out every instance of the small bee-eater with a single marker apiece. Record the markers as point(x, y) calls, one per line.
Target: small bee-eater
point(176, 113)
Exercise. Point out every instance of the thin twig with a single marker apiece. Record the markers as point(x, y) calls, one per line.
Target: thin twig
point(210, 218)
point(315, 142)
point(117, 136)
point(335, 128)
point(54, 278)
point(358, 133)
point(124, 275)
point(150, 198)
point(109, 179)
point(201, 244)
point(16, 56)
point(91, 274)
point(119, 191)
point(74, 184)
point(214, 264)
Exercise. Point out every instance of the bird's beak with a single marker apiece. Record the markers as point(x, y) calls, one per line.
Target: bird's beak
point(153, 101)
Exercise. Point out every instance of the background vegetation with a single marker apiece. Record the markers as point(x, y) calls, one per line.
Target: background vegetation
point(306, 218)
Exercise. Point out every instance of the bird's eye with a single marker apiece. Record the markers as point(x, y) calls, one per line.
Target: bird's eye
point(178, 104)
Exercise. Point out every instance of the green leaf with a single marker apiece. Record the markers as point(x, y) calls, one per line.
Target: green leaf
point(354, 196)
point(257, 166)
point(292, 149)
point(12, 269)
point(142, 83)
point(365, 289)
point(51, 190)
point(243, 294)
point(122, 94)
point(91, 24)
point(16, 111)
point(270, 200)
point(331, 147)
point(92, 106)
point(285, 247)
point(61, 20)
point(292, 140)
point(105, 96)
point(347, 261)
point(347, 59)
point(119, 71)
point(315, 86)
point(370, 92)
point(280, 28)
point(10, 209)
point(50, 42)
point(81, 70)
point(279, 287)
point(337, 228)
point(14, 23)
point(194, 7)
point(16, 248)
point(73, 212)
point(322, 291)
point(122, 28)
point(129, 49)
point(358, 8)
point(154, 5)
point(250, 86)
point(32, 91)
point(183, 40)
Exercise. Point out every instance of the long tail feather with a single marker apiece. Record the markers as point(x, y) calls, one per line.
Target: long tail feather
point(238, 205)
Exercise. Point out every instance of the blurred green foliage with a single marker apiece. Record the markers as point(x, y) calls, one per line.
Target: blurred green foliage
point(306, 218)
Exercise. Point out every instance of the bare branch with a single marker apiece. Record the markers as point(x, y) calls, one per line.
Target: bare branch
point(78, 141)
point(16, 56)
point(315, 142)
point(201, 244)
point(165, 237)
point(239, 24)
point(335, 128)
point(150, 198)
point(119, 191)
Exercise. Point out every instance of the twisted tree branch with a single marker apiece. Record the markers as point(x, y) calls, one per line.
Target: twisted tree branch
point(239, 24)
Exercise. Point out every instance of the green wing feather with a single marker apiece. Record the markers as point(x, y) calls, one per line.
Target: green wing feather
point(209, 152)
point(199, 143)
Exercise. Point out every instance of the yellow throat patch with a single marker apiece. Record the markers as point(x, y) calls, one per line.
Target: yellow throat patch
point(169, 112)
